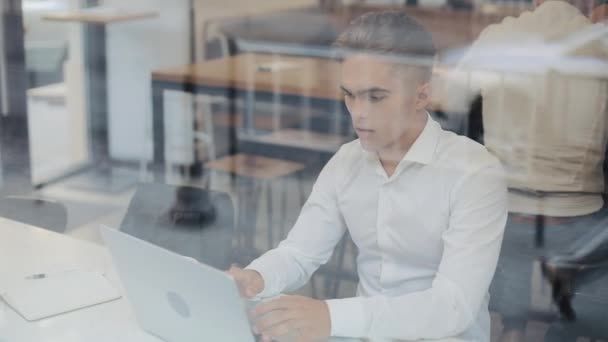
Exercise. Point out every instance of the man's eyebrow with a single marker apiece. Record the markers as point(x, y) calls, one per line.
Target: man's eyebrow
point(366, 91)
point(374, 90)
point(343, 88)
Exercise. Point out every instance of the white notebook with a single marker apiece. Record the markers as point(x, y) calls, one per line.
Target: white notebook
point(39, 297)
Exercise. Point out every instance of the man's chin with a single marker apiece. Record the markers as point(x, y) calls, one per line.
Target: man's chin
point(368, 146)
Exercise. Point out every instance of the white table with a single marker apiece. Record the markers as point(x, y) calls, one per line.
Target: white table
point(27, 250)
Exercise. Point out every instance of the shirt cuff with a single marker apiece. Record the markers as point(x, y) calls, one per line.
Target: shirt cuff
point(348, 317)
point(272, 280)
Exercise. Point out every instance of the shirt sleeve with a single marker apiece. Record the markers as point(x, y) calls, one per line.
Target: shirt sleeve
point(311, 241)
point(451, 305)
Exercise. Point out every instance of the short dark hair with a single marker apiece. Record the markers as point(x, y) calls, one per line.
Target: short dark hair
point(392, 33)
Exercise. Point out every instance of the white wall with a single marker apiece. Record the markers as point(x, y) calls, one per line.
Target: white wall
point(57, 129)
point(135, 49)
point(73, 70)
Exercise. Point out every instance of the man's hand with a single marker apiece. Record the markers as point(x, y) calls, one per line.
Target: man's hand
point(304, 318)
point(250, 282)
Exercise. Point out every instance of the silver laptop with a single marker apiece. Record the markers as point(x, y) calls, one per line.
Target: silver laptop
point(174, 298)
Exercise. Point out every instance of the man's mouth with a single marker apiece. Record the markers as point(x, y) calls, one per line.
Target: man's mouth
point(364, 131)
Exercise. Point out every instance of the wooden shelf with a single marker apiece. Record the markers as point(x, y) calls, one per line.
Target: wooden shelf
point(265, 122)
point(303, 139)
point(100, 15)
point(252, 166)
point(313, 77)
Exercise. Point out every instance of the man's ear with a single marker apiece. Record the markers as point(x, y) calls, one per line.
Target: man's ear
point(599, 13)
point(423, 96)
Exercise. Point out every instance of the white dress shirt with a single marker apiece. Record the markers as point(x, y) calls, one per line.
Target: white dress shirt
point(428, 236)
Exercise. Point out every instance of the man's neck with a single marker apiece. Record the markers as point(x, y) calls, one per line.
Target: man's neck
point(391, 155)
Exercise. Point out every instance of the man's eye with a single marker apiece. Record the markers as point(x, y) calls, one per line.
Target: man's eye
point(376, 98)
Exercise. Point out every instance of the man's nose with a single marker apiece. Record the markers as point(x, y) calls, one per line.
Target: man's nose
point(358, 110)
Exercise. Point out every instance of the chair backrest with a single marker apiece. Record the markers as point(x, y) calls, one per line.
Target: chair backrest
point(37, 212)
point(190, 221)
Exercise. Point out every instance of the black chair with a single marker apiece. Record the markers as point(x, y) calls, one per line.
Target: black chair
point(37, 212)
point(190, 221)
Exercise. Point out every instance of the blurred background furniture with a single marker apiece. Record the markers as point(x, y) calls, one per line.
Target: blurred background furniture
point(190, 221)
point(44, 213)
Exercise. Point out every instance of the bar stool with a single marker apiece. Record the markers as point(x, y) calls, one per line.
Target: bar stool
point(257, 175)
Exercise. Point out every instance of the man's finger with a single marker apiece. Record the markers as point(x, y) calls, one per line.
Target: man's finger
point(274, 318)
point(250, 291)
point(232, 274)
point(241, 283)
point(276, 304)
point(277, 331)
point(303, 338)
point(238, 275)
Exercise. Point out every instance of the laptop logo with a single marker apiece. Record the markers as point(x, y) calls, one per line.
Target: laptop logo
point(178, 304)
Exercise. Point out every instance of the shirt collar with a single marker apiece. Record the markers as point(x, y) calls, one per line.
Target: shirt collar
point(423, 149)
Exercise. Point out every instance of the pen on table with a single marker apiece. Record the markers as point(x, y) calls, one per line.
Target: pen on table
point(47, 275)
point(36, 276)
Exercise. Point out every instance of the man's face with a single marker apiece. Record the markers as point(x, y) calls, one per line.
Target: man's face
point(381, 99)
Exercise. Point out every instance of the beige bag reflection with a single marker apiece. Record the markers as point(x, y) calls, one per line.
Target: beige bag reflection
point(547, 126)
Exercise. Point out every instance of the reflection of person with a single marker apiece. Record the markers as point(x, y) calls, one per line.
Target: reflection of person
point(425, 207)
point(549, 130)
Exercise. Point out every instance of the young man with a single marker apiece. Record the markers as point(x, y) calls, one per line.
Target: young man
point(425, 207)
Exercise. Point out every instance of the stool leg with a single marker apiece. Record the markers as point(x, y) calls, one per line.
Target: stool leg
point(240, 195)
point(539, 238)
point(340, 265)
point(268, 189)
point(209, 179)
point(303, 194)
point(327, 282)
point(313, 286)
point(238, 232)
point(247, 219)
point(256, 190)
point(283, 221)
point(331, 279)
